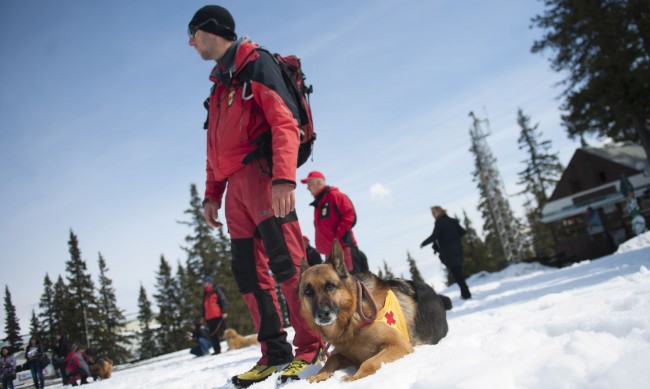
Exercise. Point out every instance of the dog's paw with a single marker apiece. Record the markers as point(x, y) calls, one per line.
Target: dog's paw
point(318, 377)
point(348, 378)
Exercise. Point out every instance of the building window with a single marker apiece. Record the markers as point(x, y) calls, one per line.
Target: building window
point(570, 227)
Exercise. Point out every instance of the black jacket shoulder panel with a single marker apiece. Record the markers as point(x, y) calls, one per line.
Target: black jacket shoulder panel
point(267, 71)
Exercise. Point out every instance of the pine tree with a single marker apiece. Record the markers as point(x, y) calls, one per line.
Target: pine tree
point(493, 204)
point(12, 328)
point(190, 297)
point(47, 313)
point(413, 268)
point(388, 272)
point(477, 257)
point(147, 336)
point(543, 170)
point(62, 307)
point(208, 253)
point(35, 329)
point(185, 320)
point(110, 340)
point(84, 315)
point(170, 334)
point(604, 47)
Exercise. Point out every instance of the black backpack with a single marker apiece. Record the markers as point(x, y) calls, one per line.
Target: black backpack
point(294, 79)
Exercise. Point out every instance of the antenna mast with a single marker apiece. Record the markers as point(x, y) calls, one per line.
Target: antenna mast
point(500, 213)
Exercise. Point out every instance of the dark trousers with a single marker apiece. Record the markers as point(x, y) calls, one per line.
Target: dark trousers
point(202, 348)
point(37, 373)
point(216, 327)
point(457, 273)
point(7, 383)
point(59, 365)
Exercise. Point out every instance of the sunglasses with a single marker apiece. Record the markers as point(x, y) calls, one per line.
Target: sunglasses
point(191, 30)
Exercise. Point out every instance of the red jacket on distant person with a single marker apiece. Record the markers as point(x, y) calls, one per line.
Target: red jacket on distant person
point(213, 303)
point(333, 218)
point(77, 365)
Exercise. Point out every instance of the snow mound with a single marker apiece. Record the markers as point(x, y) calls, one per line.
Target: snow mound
point(638, 242)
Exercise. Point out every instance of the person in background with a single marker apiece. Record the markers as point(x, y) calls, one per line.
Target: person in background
point(77, 366)
point(446, 241)
point(59, 352)
point(334, 217)
point(201, 336)
point(213, 310)
point(313, 257)
point(33, 353)
point(250, 102)
point(7, 368)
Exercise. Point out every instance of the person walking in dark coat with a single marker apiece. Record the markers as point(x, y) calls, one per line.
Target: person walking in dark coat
point(446, 243)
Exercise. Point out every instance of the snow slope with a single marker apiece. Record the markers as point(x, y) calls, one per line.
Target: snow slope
point(584, 326)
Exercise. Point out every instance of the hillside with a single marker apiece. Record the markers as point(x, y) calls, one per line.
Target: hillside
point(584, 326)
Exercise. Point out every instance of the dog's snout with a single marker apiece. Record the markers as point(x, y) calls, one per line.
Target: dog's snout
point(324, 314)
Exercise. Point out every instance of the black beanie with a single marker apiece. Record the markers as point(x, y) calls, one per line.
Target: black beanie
point(224, 26)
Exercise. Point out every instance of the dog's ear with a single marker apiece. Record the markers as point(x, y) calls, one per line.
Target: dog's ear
point(337, 260)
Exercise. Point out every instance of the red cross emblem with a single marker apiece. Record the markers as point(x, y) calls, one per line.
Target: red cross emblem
point(389, 318)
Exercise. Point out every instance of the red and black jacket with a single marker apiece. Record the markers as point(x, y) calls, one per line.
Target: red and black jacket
point(241, 109)
point(214, 303)
point(334, 216)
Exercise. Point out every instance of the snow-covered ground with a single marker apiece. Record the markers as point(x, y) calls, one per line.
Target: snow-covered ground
point(584, 326)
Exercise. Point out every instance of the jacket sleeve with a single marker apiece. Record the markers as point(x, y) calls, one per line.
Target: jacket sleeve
point(280, 111)
point(435, 235)
point(346, 211)
point(428, 240)
point(213, 189)
point(222, 300)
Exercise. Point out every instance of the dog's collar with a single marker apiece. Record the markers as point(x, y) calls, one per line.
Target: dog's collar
point(361, 288)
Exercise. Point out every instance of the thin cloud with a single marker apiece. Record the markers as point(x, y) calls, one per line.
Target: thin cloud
point(379, 192)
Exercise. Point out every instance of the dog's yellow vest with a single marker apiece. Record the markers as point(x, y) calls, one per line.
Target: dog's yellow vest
point(392, 315)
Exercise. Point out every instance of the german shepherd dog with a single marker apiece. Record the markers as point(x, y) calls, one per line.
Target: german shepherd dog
point(343, 308)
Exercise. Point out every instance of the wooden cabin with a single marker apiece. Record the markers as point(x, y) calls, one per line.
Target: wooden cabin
point(587, 211)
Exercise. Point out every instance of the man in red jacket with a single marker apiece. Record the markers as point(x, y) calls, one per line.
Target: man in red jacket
point(249, 100)
point(334, 217)
point(214, 307)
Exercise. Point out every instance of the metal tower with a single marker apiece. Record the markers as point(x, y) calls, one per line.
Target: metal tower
point(501, 214)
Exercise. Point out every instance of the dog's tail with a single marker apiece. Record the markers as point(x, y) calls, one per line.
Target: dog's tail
point(446, 301)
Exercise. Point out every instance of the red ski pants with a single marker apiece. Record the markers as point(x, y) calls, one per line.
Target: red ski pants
point(261, 244)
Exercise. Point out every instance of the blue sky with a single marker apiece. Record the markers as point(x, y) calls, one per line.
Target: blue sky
point(101, 115)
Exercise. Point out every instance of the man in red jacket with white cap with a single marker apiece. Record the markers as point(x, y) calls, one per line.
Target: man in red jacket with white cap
point(334, 217)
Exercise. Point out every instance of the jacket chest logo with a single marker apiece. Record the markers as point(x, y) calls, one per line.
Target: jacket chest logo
point(325, 210)
point(231, 98)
